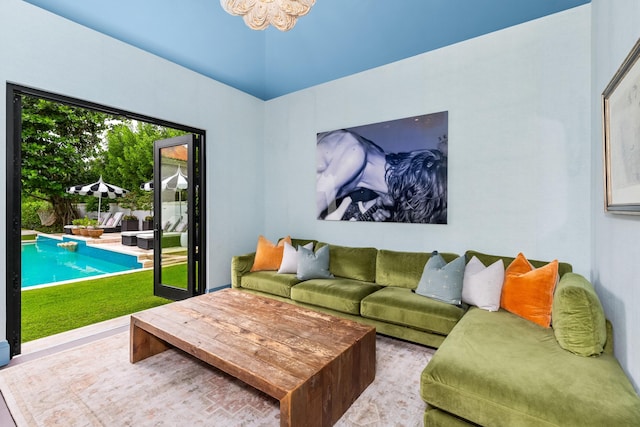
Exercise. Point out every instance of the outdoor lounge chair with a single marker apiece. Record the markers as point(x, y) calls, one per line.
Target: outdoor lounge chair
point(170, 239)
point(104, 219)
point(171, 223)
point(172, 229)
point(113, 224)
point(182, 225)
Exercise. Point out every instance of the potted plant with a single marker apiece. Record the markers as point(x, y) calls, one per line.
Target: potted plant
point(77, 225)
point(147, 224)
point(130, 223)
point(144, 202)
point(81, 226)
point(92, 228)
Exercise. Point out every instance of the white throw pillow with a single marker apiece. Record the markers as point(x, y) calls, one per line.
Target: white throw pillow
point(482, 286)
point(289, 262)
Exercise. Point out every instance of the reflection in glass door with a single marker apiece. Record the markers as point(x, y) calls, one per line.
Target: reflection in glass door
point(177, 186)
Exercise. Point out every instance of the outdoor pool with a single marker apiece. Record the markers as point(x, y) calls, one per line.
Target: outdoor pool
point(44, 262)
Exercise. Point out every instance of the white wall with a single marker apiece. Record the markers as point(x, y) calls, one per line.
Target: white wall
point(519, 152)
point(44, 51)
point(616, 241)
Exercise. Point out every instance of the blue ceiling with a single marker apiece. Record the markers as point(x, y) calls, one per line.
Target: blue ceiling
point(336, 39)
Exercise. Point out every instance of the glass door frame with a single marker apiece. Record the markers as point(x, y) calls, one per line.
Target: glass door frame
point(195, 214)
point(14, 93)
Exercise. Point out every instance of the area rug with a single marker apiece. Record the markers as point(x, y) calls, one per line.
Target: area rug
point(95, 385)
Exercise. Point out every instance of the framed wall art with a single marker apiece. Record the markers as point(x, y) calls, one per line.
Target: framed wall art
point(394, 171)
point(621, 136)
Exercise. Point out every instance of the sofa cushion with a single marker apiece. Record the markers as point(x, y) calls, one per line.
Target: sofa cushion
point(338, 294)
point(268, 255)
point(528, 291)
point(403, 269)
point(482, 286)
point(402, 306)
point(352, 263)
point(498, 369)
point(269, 282)
point(441, 280)
point(487, 259)
point(579, 323)
point(313, 265)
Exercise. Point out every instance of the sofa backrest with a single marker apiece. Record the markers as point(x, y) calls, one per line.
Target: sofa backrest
point(403, 269)
point(301, 242)
point(352, 263)
point(487, 260)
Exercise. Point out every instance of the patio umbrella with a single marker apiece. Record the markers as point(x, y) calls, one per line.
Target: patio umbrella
point(147, 186)
point(98, 189)
point(176, 182)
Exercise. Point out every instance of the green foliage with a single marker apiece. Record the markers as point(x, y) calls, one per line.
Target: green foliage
point(64, 146)
point(55, 309)
point(57, 141)
point(30, 208)
point(128, 160)
point(129, 201)
point(85, 222)
point(92, 204)
point(145, 202)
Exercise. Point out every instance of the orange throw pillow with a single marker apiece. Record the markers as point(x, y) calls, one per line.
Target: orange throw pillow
point(269, 256)
point(528, 292)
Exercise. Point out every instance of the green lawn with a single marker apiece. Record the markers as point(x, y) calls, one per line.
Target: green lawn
point(55, 309)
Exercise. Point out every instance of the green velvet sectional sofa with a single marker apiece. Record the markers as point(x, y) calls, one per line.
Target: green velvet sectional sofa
point(491, 368)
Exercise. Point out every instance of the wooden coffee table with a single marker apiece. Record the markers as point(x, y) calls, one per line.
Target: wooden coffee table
point(315, 364)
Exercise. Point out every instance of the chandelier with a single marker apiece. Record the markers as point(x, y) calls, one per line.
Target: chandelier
point(259, 14)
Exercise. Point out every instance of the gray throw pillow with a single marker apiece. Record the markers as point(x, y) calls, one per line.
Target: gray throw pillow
point(313, 265)
point(442, 281)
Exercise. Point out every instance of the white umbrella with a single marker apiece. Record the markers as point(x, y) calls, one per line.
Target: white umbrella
point(176, 182)
point(98, 189)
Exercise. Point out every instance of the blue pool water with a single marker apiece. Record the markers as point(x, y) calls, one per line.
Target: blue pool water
point(44, 262)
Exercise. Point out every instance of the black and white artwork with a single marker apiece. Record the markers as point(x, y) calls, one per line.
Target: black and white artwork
point(394, 171)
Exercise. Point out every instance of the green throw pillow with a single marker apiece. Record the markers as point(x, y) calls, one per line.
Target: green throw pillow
point(313, 265)
point(577, 316)
point(442, 281)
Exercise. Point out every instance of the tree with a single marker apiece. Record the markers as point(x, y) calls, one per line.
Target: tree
point(128, 159)
point(58, 143)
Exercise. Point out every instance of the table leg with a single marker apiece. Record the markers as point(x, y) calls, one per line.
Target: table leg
point(142, 344)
